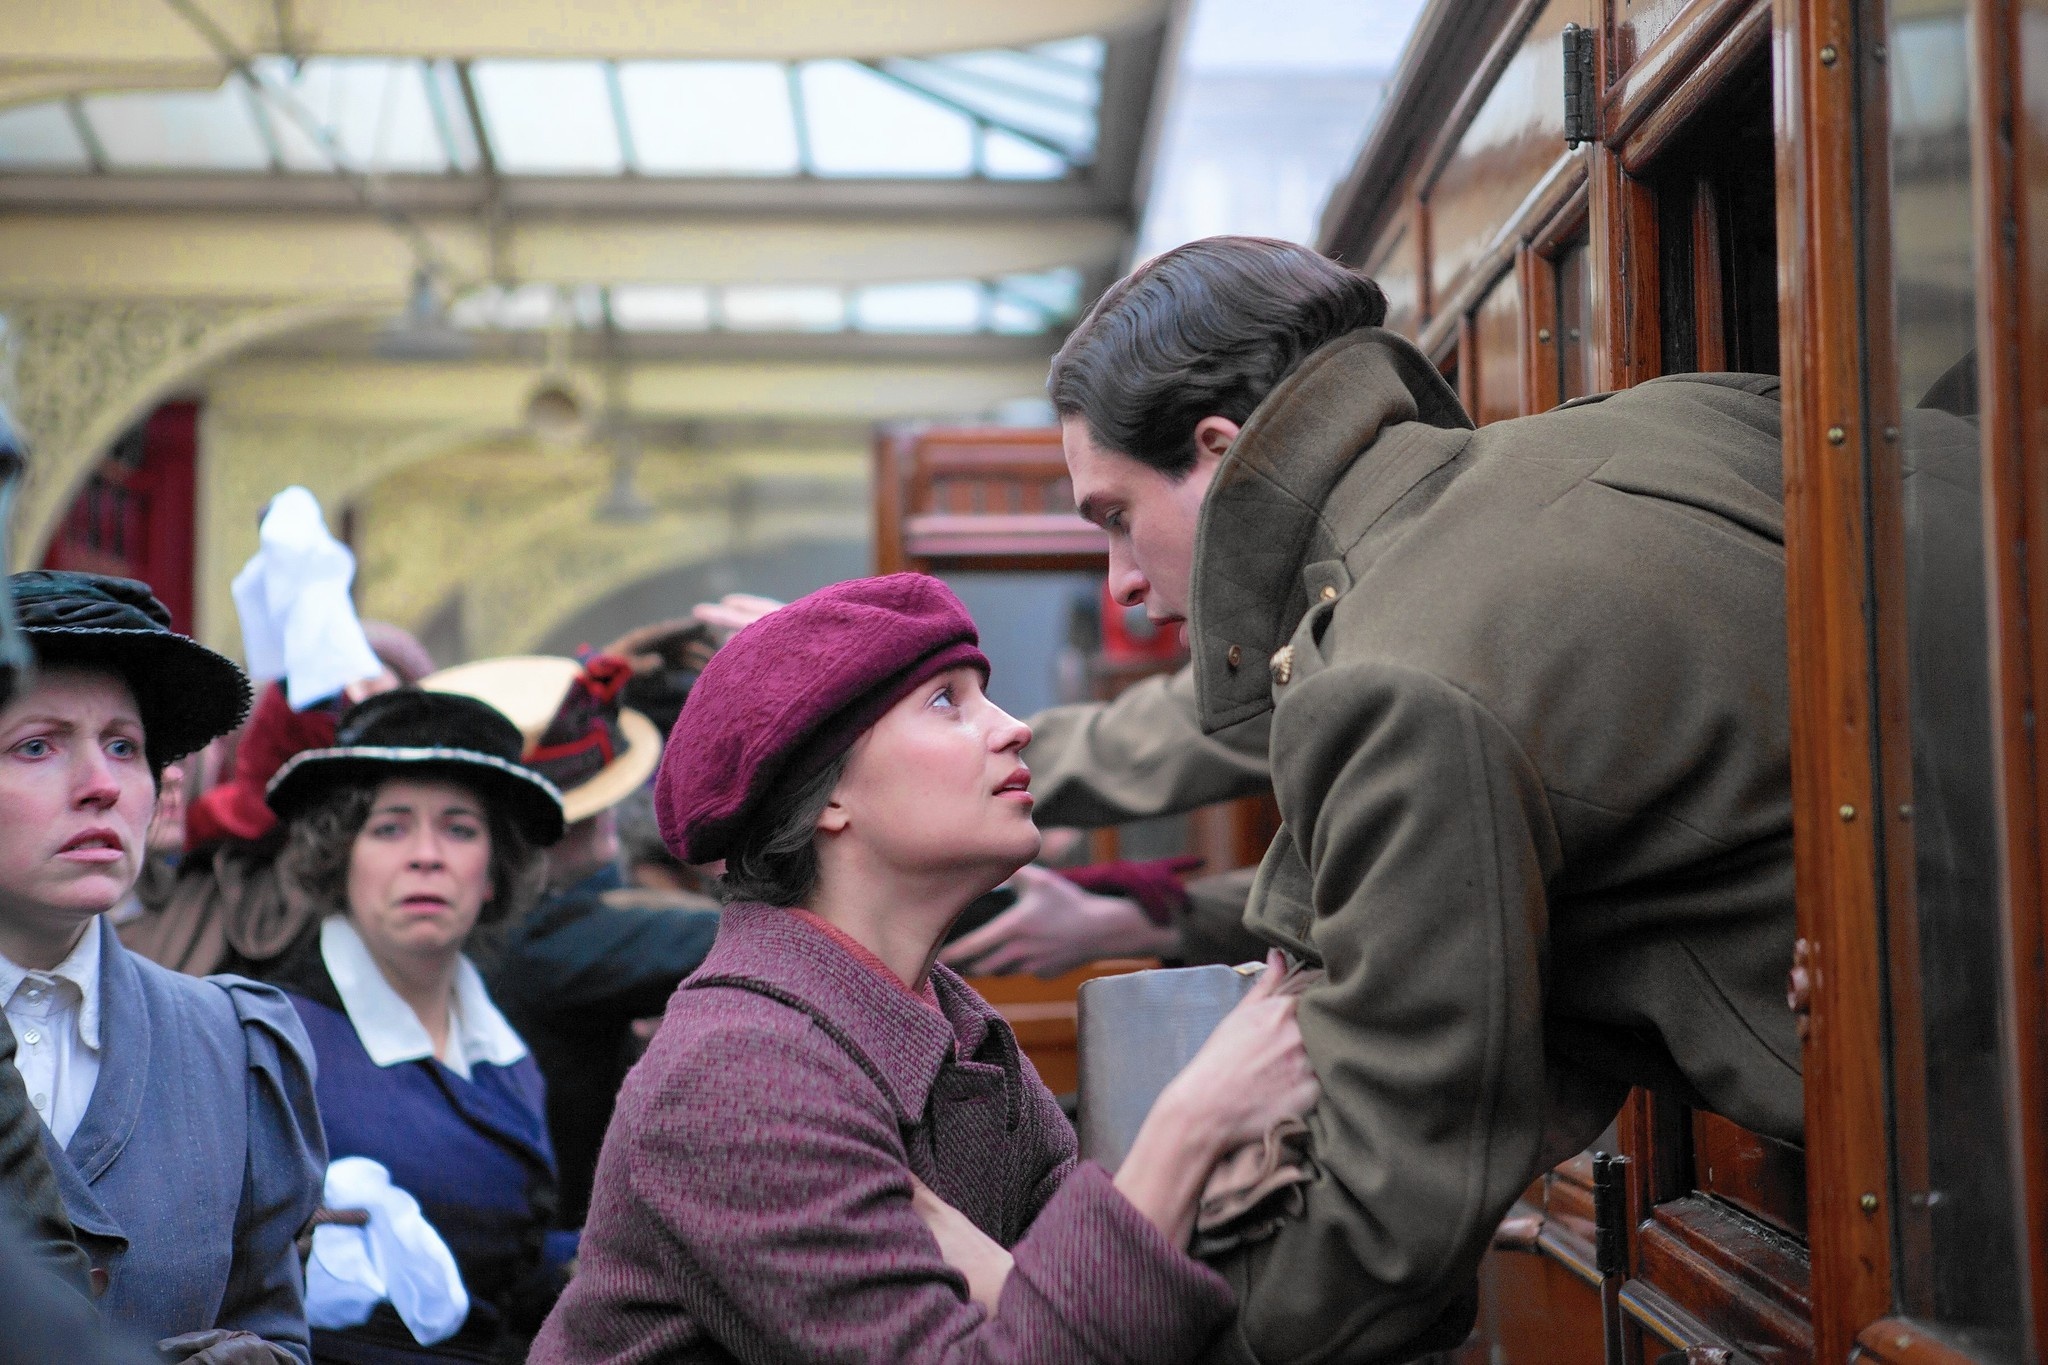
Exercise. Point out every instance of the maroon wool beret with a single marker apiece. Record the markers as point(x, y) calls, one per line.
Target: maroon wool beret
point(793, 691)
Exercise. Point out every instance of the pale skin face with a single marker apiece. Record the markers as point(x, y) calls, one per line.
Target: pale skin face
point(76, 798)
point(1150, 517)
point(419, 874)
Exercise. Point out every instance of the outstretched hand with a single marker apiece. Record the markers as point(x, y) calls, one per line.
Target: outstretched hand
point(1055, 927)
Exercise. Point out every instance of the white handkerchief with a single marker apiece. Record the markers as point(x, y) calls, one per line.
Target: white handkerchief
point(297, 620)
point(398, 1257)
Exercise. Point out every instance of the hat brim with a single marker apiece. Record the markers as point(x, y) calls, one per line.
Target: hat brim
point(531, 801)
point(620, 778)
point(188, 695)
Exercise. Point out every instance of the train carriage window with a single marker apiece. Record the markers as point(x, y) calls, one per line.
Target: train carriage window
point(1717, 235)
point(1956, 1191)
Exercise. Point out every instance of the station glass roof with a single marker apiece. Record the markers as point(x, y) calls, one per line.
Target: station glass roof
point(1024, 114)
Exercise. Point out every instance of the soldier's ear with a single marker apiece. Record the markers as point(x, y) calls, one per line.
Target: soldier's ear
point(1214, 435)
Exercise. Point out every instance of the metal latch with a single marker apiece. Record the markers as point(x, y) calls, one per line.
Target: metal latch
point(1579, 88)
point(1610, 1250)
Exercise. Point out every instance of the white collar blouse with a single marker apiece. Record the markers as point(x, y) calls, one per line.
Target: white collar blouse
point(387, 1027)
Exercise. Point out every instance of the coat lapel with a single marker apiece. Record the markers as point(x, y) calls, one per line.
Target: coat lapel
point(1263, 515)
point(117, 1095)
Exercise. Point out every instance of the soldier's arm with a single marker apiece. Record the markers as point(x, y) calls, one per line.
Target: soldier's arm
point(1139, 756)
point(1414, 863)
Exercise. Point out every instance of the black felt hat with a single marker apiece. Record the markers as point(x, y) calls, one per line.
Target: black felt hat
point(187, 694)
point(410, 733)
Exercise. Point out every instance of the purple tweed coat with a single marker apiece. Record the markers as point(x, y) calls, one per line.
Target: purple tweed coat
point(753, 1197)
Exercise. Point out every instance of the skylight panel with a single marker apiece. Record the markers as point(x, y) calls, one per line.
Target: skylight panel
point(451, 115)
point(1083, 54)
point(41, 137)
point(1066, 124)
point(1031, 72)
point(710, 118)
point(783, 308)
point(183, 130)
point(927, 306)
point(549, 117)
point(1057, 293)
point(661, 308)
point(377, 110)
point(1005, 156)
point(528, 308)
point(862, 124)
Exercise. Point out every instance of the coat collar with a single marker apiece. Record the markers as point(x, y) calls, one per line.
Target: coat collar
point(117, 1095)
point(895, 1037)
point(387, 1027)
point(1263, 518)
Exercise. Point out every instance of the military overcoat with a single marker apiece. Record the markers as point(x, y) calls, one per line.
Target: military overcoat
point(1527, 688)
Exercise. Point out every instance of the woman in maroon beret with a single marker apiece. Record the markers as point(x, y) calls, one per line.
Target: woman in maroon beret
point(834, 1150)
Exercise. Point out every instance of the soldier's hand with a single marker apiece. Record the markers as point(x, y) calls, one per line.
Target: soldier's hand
point(1055, 927)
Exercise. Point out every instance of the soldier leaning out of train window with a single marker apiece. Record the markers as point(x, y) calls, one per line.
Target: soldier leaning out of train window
point(1526, 690)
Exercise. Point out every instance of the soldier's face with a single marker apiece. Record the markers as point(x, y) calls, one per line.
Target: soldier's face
point(1149, 516)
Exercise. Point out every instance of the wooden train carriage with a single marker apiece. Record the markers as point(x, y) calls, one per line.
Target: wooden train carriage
point(1565, 196)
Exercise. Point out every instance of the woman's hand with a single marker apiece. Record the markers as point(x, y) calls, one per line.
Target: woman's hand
point(1253, 1071)
point(1251, 1074)
point(964, 1246)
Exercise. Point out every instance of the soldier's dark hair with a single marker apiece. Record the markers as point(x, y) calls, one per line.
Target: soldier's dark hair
point(775, 861)
point(1207, 329)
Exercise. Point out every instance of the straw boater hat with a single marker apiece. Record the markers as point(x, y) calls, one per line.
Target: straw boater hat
point(187, 694)
point(597, 751)
point(425, 734)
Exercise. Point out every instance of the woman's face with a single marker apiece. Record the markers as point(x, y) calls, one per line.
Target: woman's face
point(75, 798)
point(937, 784)
point(419, 872)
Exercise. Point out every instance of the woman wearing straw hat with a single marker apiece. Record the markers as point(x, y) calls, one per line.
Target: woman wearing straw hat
point(835, 1150)
point(177, 1113)
point(591, 958)
point(418, 825)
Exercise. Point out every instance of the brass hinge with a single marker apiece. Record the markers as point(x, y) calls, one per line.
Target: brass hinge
point(1580, 89)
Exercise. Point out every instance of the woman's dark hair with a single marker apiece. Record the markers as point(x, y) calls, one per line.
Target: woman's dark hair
point(319, 841)
point(1207, 329)
point(776, 859)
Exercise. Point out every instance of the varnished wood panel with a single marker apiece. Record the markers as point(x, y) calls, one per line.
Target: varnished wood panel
point(1638, 24)
point(1841, 714)
point(1514, 139)
point(1667, 78)
point(1762, 1177)
point(1533, 1311)
point(2013, 351)
point(1497, 353)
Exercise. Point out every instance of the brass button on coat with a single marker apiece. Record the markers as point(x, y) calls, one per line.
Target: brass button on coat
point(1283, 665)
point(1233, 656)
point(1329, 592)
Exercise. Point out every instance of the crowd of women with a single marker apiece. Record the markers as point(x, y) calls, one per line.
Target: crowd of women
point(343, 1148)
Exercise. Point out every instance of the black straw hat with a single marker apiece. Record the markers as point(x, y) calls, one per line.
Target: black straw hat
point(410, 733)
point(187, 694)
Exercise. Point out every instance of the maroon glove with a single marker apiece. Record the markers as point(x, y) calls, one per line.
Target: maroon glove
point(1154, 885)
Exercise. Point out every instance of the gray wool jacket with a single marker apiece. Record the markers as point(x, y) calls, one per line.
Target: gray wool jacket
point(1529, 736)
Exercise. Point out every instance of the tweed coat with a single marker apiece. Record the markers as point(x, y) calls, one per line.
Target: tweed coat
point(1527, 688)
point(753, 1198)
point(200, 1157)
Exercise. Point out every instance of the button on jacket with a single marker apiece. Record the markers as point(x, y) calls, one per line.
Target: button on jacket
point(753, 1198)
point(1527, 691)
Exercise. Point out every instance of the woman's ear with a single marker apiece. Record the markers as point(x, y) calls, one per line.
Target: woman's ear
point(834, 818)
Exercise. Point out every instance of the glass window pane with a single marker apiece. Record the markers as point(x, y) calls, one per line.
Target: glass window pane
point(41, 136)
point(1956, 1195)
point(1005, 157)
point(186, 130)
point(661, 307)
point(451, 115)
point(376, 110)
point(861, 124)
point(997, 95)
point(784, 308)
point(527, 308)
point(549, 118)
point(1056, 293)
point(935, 306)
point(710, 118)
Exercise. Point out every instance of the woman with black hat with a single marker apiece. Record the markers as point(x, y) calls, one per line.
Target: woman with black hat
point(417, 826)
point(178, 1113)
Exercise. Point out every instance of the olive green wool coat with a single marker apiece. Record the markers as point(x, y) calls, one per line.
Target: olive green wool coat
point(1529, 738)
